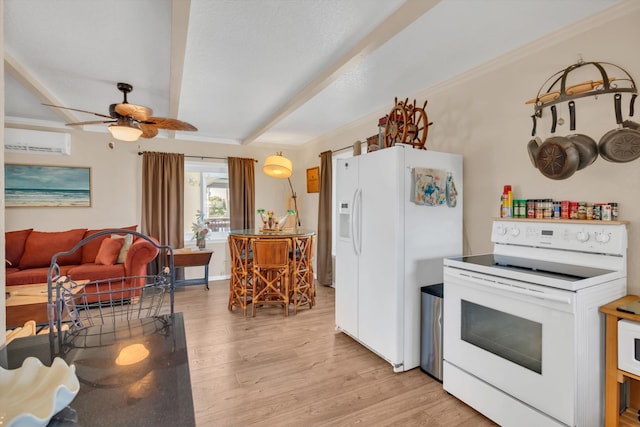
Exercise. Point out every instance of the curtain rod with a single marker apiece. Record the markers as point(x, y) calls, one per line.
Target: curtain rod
point(140, 153)
point(343, 148)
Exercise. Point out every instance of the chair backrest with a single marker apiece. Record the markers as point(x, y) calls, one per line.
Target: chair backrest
point(240, 254)
point(303, 251)
point(271, 253)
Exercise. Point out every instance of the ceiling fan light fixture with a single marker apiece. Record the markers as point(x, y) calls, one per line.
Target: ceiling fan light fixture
point(125, 132)
point(278, 166)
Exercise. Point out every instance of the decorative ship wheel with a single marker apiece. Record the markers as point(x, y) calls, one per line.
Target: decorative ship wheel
point(395, 130)
point(407, 124)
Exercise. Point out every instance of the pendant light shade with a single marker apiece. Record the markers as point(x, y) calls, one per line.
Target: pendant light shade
point(125, 130)
point(278, 166)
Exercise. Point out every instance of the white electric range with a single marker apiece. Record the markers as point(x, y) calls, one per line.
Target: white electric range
point(523, 338)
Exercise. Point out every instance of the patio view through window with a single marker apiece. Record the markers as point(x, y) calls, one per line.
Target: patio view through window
point(207, 190)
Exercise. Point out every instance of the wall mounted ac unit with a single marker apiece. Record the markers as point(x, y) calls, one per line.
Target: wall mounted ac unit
point(36, 142)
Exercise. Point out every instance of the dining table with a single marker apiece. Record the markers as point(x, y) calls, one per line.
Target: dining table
point(240, 242)
point(118, 386)
point(285, 233)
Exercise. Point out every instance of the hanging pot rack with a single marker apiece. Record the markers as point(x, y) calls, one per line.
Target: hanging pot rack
point(617, 80)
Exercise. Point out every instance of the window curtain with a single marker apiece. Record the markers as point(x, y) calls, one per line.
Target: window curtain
point(242, 193)
point(324, 264)
point(163, 200)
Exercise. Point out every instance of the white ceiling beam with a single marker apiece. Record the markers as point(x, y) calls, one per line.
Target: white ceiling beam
point(179, 29)
point(19, 72)
point(408, 12)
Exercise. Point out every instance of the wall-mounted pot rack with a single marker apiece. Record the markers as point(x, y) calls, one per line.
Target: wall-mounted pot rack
point(614, 79)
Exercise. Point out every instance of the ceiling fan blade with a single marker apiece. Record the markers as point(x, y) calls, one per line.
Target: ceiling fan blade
point(92, 122)
point(148, 130)
point(137, 112)
point(82, 111)
point(171, 124)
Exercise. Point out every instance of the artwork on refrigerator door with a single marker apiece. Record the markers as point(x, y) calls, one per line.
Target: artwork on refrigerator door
point(430, 186)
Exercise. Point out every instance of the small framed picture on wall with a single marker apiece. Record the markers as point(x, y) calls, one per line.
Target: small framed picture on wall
point(313, 180)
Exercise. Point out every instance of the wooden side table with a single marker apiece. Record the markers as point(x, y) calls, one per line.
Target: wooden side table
point(187, 258)
point(614, 376)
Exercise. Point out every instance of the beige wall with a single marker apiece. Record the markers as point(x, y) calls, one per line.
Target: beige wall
point(482, 116)
point(115, 180)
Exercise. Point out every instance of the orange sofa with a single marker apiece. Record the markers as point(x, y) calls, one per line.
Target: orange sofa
point(28, 255)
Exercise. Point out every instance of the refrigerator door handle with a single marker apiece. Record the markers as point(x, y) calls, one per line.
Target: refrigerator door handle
point(356, 222)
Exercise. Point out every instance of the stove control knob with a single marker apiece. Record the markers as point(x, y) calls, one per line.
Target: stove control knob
point(602, 237)
point(582, 236)
point(501, 230)
point(515, 231)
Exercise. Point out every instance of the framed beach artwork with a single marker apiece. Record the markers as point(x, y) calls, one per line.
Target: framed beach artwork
point(51, 186)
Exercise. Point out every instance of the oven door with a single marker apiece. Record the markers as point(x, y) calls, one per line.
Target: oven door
point(515, 336)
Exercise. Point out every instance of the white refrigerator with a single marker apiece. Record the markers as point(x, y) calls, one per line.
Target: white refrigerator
point(399, 213)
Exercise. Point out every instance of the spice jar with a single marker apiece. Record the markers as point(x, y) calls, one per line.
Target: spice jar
point(564, 209)
point(556, 210)
point(597, 212)
point(573, 210)
point(547, 209)
point(582, 210)
point(589, 210)
point(521, 209)
point(539, 209)
point(614, 211)
point(531, 208)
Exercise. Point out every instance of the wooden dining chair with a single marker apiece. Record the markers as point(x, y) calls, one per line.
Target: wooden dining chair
point(240, 288)
point(271, 273)
point(303, 288)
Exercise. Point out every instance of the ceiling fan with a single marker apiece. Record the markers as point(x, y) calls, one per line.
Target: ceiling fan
point(129, 121)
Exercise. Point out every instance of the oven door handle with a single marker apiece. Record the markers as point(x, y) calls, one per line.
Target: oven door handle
point(505, 287)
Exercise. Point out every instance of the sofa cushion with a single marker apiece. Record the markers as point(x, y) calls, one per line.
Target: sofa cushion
point(96, 272)
point(14, 245)
point(11, 270)
point(41, 246)
point(32, 275)
point(128, 240)
point(109, 251)
point(90, 249)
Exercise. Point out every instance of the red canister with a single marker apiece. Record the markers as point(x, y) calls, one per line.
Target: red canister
point(573, 210)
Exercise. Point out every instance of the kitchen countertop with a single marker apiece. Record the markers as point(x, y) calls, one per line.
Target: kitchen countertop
point(151, 392)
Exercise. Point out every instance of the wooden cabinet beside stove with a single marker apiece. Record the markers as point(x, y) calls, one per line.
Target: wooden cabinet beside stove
point(614, 377)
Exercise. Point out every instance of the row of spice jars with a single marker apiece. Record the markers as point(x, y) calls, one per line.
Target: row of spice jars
point(565, 209)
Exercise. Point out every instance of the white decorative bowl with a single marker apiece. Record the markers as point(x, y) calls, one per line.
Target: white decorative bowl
point(34, 393)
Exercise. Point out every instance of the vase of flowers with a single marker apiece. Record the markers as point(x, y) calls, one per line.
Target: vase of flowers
point(200, 230)
point(269, 221)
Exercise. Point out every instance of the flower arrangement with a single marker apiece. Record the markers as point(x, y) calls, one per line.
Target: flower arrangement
point(199, 228)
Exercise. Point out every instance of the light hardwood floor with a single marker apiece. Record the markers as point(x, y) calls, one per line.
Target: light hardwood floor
point(298, 371)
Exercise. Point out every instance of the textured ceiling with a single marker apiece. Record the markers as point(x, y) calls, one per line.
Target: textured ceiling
point(277, 72)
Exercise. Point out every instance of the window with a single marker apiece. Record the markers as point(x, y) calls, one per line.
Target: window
point(206, 190)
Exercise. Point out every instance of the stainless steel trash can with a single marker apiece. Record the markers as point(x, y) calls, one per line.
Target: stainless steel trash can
point(431, 330)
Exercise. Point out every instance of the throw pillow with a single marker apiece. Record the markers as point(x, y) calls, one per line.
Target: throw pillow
point(109, 250)
point(128, 240)
point(14, 242)
point(90, 249)
point(42, 245)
